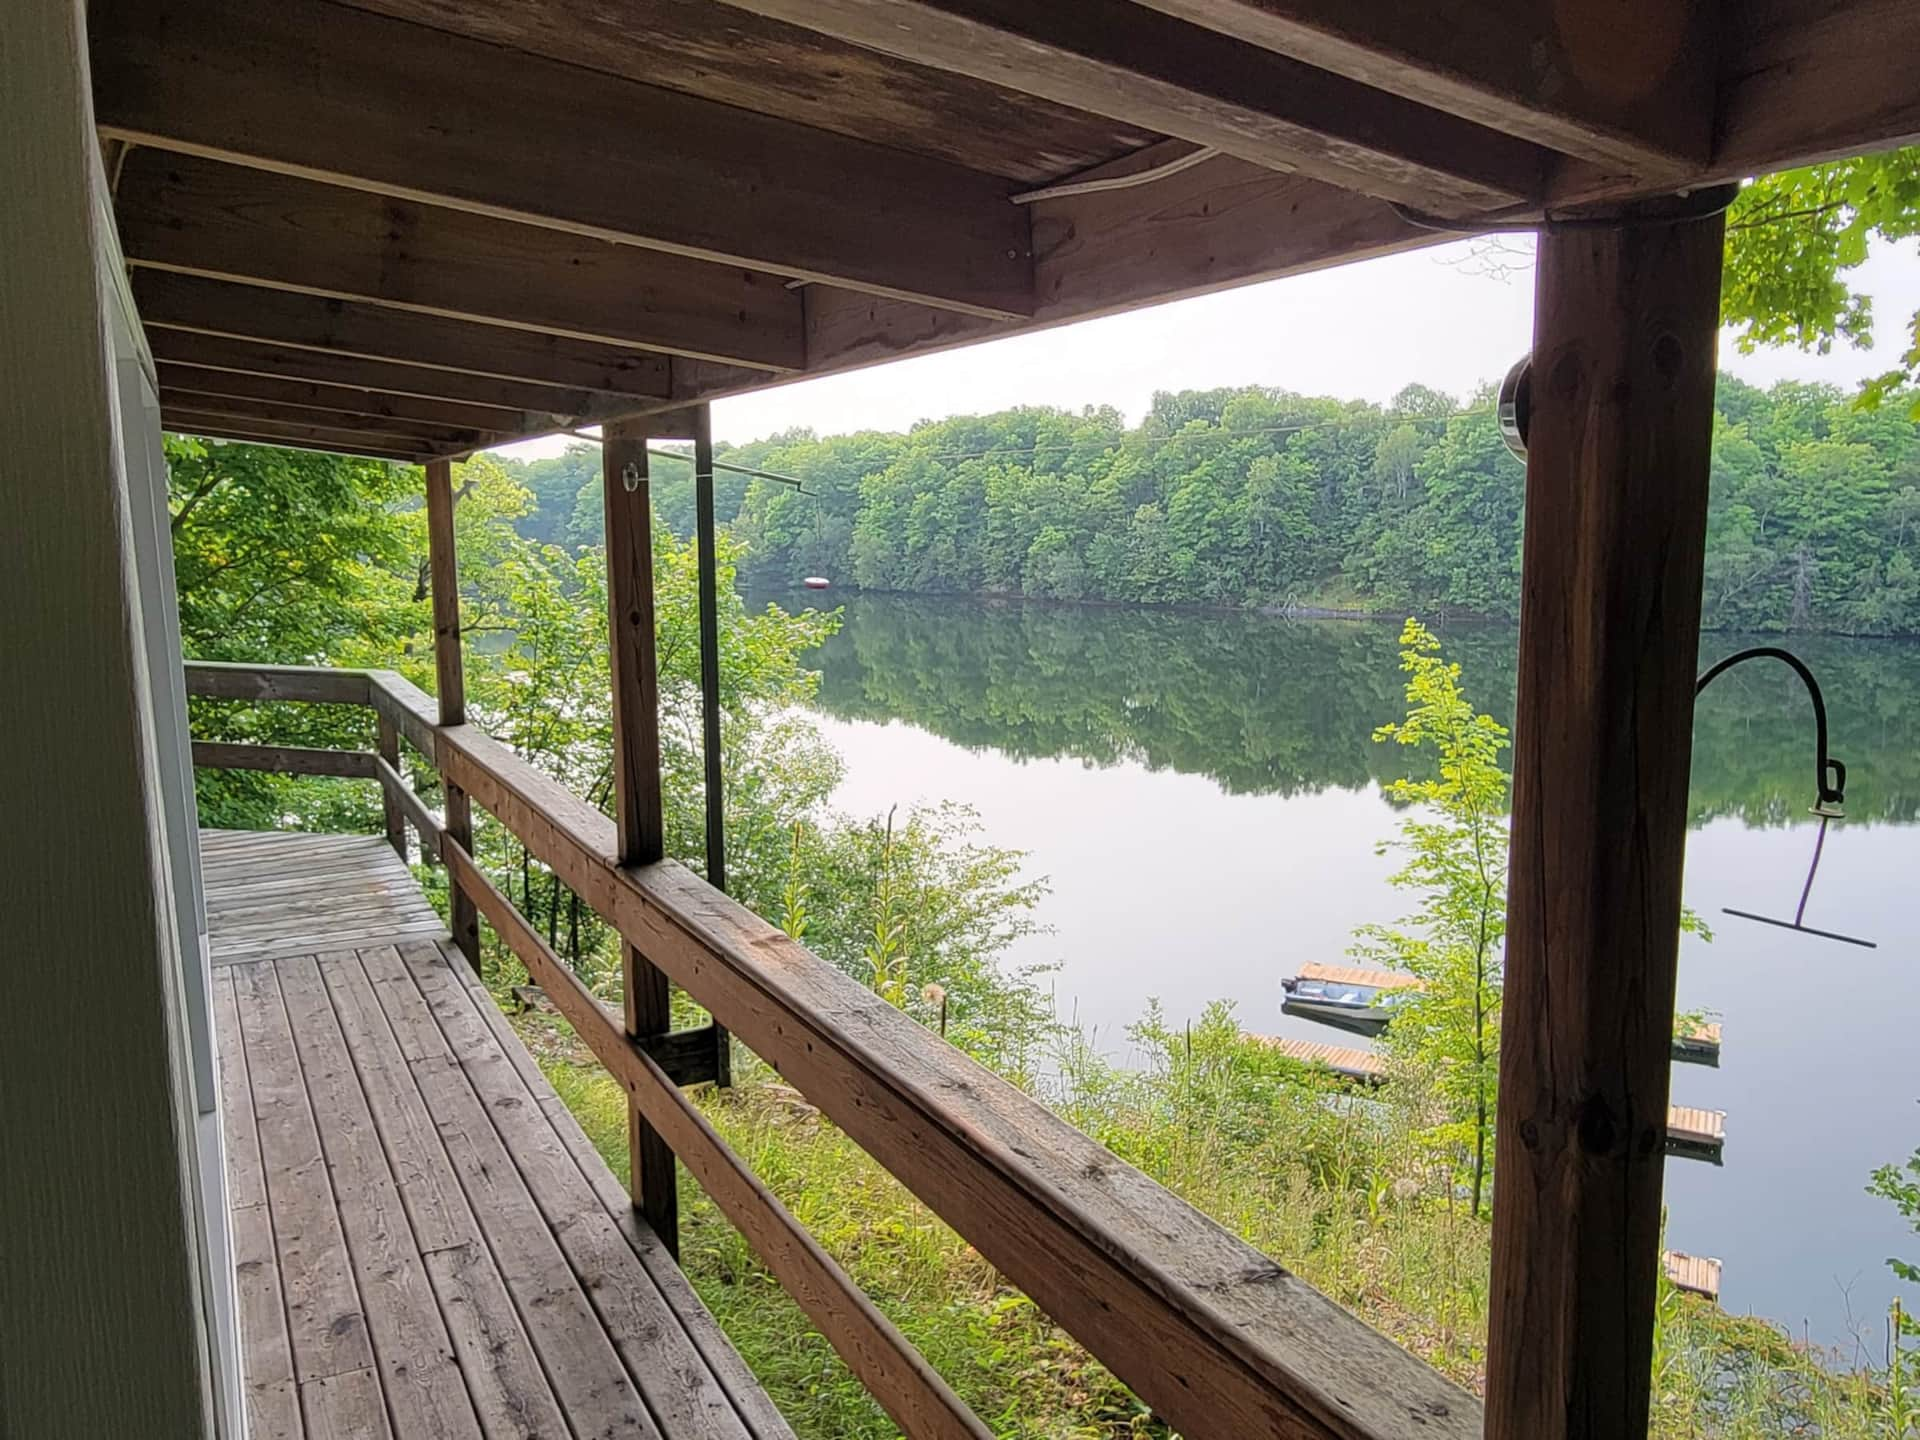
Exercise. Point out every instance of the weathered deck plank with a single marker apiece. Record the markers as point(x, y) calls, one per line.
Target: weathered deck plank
point(425, 1394)
point(675, 1381)
point(422, 1237)
point(329, 1332)
point(585, 1370)
point(275, 893)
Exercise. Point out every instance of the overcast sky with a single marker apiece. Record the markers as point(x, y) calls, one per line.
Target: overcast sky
point(1441, 317)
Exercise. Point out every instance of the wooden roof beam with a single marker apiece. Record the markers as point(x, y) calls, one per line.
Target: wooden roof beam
point(205, 217)
point(1801, 81)
point(328, 442)
point(396, 440)
point(1212, 227)
point(1808, 80)
point(1117, 59)
point(800, 75)
point(377, 332)
point(297, 397)
point(328, 92)
point(547, 404)
point(1628, 84)
point(244, 410)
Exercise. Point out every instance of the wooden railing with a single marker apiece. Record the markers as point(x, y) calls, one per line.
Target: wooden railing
point(1215, 1336)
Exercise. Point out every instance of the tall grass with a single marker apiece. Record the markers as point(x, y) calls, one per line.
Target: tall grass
point(1335, 1186)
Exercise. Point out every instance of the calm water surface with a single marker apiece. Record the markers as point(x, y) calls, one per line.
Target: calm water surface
point(1204, 798)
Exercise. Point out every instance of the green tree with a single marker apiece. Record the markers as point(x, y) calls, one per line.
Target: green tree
point(287, 554)
point(1791, 239)
point(1445, 1035)
point(1257, 497)
point(915, 906)
point(1899, 1185)
point(289, 557)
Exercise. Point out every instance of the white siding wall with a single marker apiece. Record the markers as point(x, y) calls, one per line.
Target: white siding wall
point(106, 1261)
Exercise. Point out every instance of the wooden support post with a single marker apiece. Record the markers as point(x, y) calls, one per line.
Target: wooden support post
point(709, 575)
point(636, 781)
point(396, 818)
point(451, 684)
point(1616, 507)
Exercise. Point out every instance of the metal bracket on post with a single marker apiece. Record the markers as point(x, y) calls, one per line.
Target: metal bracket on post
point(690, 1057)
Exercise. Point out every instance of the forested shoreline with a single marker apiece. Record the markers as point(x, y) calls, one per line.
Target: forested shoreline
point(1253, 498)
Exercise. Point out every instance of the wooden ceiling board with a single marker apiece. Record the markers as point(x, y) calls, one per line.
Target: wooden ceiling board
point(776, 69)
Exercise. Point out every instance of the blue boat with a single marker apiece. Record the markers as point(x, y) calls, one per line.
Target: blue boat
point(1357, 1001)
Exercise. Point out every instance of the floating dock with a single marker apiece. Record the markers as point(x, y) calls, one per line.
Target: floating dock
point(1362, 1065)
point(1695, 1274)
point(1358, 975)
point(1692, 1134)
point(1699, 1045)
point(1346, 997)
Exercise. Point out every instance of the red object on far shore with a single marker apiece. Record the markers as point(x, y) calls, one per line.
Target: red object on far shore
point(816, 582)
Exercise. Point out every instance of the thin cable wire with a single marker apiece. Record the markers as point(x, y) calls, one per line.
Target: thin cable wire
point(1115, 182)
point(1702, 204)
point(687, 459)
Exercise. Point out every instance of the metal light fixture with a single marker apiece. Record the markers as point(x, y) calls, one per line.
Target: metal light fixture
point(1515, 407)
point(1830, 787)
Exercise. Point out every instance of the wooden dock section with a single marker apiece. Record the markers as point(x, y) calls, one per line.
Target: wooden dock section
point(426, 1242)
point(1697, 1045)
point(1362, 1065)
point(1692, 1134)
point(1696, 1274)
point(1358, 975)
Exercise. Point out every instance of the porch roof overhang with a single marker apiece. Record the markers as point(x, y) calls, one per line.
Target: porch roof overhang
point(413, 228)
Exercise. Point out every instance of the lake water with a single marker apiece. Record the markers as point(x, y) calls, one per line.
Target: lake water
point(1203, 796)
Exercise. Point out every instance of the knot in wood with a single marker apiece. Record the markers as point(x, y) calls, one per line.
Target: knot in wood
point(1596, 1126)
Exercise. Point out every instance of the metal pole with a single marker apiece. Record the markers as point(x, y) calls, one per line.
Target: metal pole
point(709, 582)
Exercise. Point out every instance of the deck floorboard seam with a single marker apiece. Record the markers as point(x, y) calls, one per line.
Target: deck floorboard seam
point(709, 1340)
point(677, 1305)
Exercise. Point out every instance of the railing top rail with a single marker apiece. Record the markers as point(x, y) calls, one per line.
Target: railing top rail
point(1217, 1337)
point(319, 684)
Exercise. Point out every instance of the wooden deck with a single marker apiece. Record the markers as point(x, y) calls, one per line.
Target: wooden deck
point(427, 1244)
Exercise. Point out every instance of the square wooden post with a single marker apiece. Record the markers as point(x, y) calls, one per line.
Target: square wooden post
point(394, 817)
point(451, 687)
point(1616, 511)
point(636, 780)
